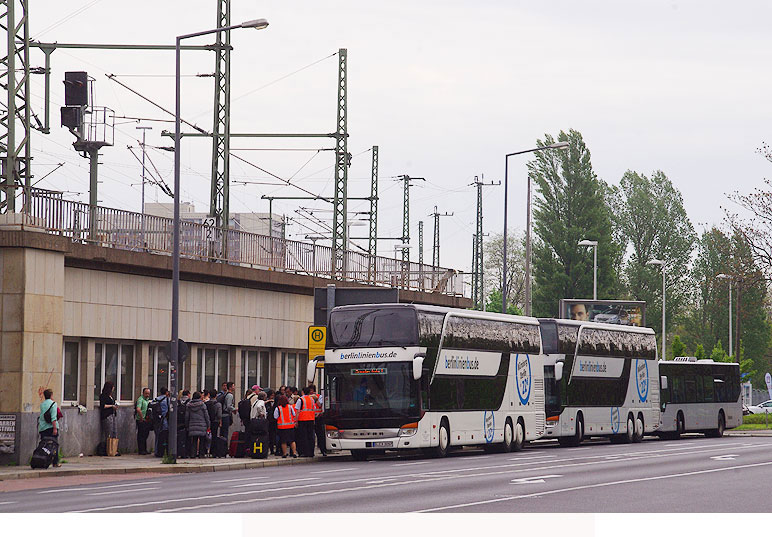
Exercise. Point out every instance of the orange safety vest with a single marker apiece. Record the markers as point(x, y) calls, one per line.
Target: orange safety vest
point(318, 410)
point(308, 412)
point(286, 417)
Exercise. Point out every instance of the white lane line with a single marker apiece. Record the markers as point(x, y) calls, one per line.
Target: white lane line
point(419, 478)
point(410, 463)
point(274, 482)
point(533, 480)
point(81, 489)
point(378, 481)
point(529, 457)
point(131, 491)
point(233, 480)
point(596, 485)
point(7, 503)
point(331, 471)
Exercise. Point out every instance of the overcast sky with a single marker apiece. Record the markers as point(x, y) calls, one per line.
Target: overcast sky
point(445, 89)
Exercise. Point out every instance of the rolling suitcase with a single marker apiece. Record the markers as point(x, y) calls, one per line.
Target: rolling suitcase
point(219, 447)
point(44, 454)
point(238, 444)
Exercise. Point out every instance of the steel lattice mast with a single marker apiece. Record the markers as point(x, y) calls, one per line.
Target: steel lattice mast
point(436, 244)
point(340, 205)
point(14, 79)
point(219, 205)
point(478, 283)
point(372, 243)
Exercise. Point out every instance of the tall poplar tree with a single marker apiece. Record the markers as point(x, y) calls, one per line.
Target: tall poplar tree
point(570, 205)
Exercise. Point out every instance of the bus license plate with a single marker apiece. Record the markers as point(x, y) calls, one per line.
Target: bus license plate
point(382, 444)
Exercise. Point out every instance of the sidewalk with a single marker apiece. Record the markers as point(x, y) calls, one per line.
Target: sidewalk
point(134, 464)
point(751, 432)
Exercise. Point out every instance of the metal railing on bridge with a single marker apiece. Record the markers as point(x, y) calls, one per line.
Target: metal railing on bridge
point(116, 228)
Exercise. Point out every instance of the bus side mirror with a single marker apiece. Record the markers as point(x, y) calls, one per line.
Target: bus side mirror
point(558, 371)
point(311, 371)
point(418, 364)
point(663, 382)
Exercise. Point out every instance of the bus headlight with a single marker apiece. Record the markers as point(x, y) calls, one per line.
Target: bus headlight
point(332, 432)
point(408, 430)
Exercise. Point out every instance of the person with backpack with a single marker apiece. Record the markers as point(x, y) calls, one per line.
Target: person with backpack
point(182, 429)
point(48, 423)
point(227, 400)
point(160, 413)
point(143, 421)
point(214, 408)
point(108, 411)
point(197, 424)
point(272, 429)
point(244, 408)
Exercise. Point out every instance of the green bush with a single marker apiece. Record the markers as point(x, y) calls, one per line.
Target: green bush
point(757, 419)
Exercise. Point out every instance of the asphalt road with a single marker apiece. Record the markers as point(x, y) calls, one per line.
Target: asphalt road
point(693, 474)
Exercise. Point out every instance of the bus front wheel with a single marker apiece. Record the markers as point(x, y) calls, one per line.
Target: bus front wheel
point(443, 440)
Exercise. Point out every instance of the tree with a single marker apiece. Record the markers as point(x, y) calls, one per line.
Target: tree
point(493, 303)
point(678, 348)
point(650, 213)
point(494, 266)
point(718, 354)
point(699, 352)
point(570, 206)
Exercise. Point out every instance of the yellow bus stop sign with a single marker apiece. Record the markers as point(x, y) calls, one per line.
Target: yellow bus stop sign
point(317, 338)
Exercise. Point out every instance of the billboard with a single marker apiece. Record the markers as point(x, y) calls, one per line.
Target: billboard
point(625, 312)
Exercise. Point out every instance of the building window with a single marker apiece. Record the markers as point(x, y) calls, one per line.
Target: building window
point(71, 370)
point(291, 365)
point(212, 368)
point(114, 362)
point(158, 371)
point(256, 367)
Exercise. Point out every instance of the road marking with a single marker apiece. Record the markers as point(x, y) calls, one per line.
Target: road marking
point(331, 471)
point(418, 478)
point(596, 485)
point(410, 463)
point(532, 480)
point(80, 489)
point(378, 481)
point(132, 491)
point(6, 503)
point(528, 457)
point(724, 457)
point(274, 482)
point(233, 480)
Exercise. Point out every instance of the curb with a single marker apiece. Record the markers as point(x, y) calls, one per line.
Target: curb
point(180, 468)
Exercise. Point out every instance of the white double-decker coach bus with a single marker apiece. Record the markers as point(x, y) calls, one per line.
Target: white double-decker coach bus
point(401, 376)
point(600, 380)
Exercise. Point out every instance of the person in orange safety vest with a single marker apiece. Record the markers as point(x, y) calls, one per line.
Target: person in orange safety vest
point(306, 409)
point(286, 419)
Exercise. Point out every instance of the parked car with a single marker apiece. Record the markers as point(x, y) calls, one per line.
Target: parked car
point(761, 408)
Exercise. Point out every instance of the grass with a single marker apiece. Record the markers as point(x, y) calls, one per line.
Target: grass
point(755, 422)
point(752, 427)
point(168, 459)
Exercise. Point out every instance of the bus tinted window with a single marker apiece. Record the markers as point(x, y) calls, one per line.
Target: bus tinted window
point(597, 342)
point(469, 393)
point(430, 328)
point(483, 334)
point(567, 335)
point(373, 327)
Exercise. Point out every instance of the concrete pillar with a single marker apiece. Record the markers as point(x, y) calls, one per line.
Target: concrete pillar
point(237, 372)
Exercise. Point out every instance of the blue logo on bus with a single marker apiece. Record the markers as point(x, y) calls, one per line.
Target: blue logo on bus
point(488, 426)
point(523, 377)
point(642, 379)
point(615, 419)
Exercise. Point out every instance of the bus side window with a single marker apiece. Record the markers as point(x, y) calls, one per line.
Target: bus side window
point(708, 390)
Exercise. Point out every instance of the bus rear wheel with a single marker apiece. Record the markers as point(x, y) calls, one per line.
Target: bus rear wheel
point(638, 430)
point(627, 437)
point(718, 432)
point(680, 427)
point(519, 439)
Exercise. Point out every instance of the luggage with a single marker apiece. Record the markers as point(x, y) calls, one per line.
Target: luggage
point(258, 446)
point(238, 444)
point(44, 454)
point(101, 449)
point(219, 447)
point(112, 447)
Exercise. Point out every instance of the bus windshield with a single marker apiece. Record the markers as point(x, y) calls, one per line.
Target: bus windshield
point(373, 327)
point(384, 389)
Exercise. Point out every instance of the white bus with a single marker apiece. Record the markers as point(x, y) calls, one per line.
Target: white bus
point(699, 396)
point(599, 380)
point(401, 376)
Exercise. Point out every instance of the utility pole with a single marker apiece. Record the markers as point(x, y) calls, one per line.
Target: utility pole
point(142, 233)
point(475, 298)
point(421, 254)
point(341, 173)
point(372, 243)
point(478, 265)
point(436, 245)
point(406, 214)
point(219, 207)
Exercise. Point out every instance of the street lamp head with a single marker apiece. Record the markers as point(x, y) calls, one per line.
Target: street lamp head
point(587, 243)
point(655, 262)
point(559, 145)
point(724, 276)
point(257, 24)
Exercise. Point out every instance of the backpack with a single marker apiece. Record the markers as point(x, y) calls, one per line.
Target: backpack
point(245, 409)
point(220, 398)
point(182, 408)
point(212, 412)
point(154, 409)
point(44, 454)
point(47, 416)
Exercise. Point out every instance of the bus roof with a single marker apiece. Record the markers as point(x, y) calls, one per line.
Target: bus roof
point(445, 310)
point(602, 326)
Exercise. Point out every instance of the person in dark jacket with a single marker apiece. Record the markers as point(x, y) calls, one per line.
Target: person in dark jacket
point(272, 430)
point(215, 417)
point(197, 424)
point(108, 410)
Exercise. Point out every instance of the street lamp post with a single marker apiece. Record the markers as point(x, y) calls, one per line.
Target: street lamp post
point(728, 277)
point(557, 145)
point(664, 335)
point(258, 24)
point(594, 245)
